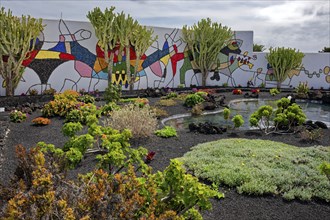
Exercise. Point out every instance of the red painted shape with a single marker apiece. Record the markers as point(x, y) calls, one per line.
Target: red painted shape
point(30, 57)
point(174, 59)
point(66, 56)
point(175, 48)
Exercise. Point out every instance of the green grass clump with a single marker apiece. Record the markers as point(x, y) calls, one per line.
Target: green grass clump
point(166, 132)
point(259, 167)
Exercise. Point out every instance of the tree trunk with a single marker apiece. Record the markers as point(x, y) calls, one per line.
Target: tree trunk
point(278, 85)
point(110, 64)
point(9, 87)
point(128, 68)
point(204, 77)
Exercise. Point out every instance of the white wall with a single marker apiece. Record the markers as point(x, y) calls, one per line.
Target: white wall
point(76, 67)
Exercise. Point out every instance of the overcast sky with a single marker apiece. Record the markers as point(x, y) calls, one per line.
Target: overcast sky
point(301, 24)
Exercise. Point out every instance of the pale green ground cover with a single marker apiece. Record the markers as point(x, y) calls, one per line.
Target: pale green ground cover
point(258, 167)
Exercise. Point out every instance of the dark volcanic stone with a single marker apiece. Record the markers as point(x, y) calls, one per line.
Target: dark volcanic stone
point(315, 95)
point(326, 98)
point(321, 124)
point(208, 106)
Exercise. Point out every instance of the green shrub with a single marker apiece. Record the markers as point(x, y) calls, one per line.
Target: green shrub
point(325, 169)
point(45, 189)
point(166, 102)
point(226, 113)
point(166, 132)
point(108, 108)
point(62, 104)
point(286, 117)
point(112, 93)
point(141, 102)
point(17, 116)
point(141, 121)
point(86, 99)
point(193, 99)
point(171, 95)
point(49, 91)
point(238, 121)
point(274, 91)
point(302, 88)
point(33, 92)
point(259, 167)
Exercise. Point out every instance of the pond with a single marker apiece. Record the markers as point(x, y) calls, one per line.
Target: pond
point(245, 107)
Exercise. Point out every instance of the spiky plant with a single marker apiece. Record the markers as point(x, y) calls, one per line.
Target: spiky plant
point(103, 24)
point(283, 60)
point(17, 39)
point(205, 40)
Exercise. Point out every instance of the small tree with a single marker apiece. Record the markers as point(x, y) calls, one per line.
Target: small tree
point(283, 60)
point(205, 40)
point(103, 24)
point(142, 40)
point(258, 48)
point(17, 39)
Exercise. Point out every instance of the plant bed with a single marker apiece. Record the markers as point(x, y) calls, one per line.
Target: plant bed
point(233, 206)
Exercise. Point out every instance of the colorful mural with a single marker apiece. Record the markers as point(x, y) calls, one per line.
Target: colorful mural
point(67, 56)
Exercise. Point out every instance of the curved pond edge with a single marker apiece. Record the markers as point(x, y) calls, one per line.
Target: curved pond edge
point(204, 113)
point(163, 121)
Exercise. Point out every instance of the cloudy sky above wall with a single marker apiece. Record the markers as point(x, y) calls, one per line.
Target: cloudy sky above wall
point(301, 24)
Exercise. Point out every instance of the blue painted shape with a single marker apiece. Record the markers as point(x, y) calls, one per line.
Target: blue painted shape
point(100, 75)
point(60, 47)
point(165, 46)
point(82, 54)
point(142, 73)
point(154, 57)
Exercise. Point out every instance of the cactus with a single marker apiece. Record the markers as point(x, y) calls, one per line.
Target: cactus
point(103, 24)
point(283, 60)
point(142, 40)
point(205, 40)
point(18, 37)
point(125, 27)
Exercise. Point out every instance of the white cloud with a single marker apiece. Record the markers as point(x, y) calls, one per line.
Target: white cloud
point(302, 24)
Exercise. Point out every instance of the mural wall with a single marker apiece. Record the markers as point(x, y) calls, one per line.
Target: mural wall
point(67, 56)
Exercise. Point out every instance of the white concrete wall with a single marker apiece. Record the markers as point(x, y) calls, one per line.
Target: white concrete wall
point(166, 64)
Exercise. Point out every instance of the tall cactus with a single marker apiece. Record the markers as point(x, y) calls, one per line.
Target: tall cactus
point(205, 40)
point(17, 39)
point(125, 27)
point(103, 24)
point(283, 60)
point(142, 40)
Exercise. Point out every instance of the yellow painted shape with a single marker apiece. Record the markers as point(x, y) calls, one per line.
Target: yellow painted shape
point(68, 47)
point(165, 59)
point(326, 70)
point(251, 65)
point(100, 64)
point(259, 70)
point(327, 78)
point(139, 65)
point(43, 54)
point(292, 73)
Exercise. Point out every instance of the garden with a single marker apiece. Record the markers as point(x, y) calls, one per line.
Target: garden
point(282, 174)
point(113, 155)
